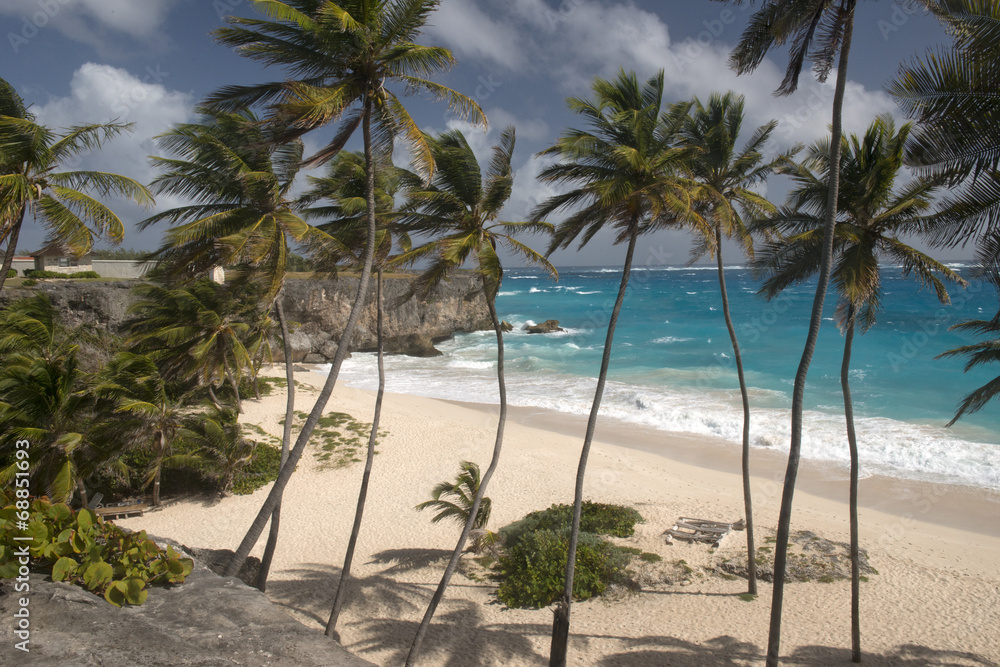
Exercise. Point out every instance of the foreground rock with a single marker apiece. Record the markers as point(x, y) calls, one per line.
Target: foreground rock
point(548, 326)
point(206, 621)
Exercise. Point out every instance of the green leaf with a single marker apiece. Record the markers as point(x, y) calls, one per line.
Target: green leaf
point(86, 519)
point(115, 595)
point(63, 569)
point(97, 575)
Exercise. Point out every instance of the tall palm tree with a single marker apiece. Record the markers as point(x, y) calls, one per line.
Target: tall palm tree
point(344, 241)
point(143, 409)
point(31, 185)
point(191, 332)
point(625, 173)
point(242, 214)
point(342, 60)
point(726, 176)
point(462, 210)
point(952, 95)
point(872, 216)
point(820, 31)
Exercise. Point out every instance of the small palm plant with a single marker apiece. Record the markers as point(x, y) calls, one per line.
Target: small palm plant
point(463, 490)
point(217, 440)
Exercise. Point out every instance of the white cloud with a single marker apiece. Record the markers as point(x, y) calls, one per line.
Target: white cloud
point(93, 22)
point(471, 32)
point(100, 94)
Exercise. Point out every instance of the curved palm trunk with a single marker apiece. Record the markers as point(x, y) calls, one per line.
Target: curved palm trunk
point(214, 398)
point(852, 441)
point(82, 490)
point(815, 319)
point(738, 357)
point(286, 439)
point(560, 624)
point(8, 258)
point(345, 573)
point(159, 468)
point(236, 390)
point(418, 639)
point(274, 497)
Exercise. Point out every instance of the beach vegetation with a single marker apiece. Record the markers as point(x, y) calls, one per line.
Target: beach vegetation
point(29, 282)
point(83, 549)
point(819, 31)
point(463, 492)
point(460, 210)
point(38, 274)
point(627, 176)
point(595, 518)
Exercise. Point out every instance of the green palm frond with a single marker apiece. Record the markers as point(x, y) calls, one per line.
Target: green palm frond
point(463, 491)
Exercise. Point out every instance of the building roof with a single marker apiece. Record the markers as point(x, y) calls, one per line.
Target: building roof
point(59, 248)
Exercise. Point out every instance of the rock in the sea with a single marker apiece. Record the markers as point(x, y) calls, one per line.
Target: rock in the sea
point(506, 326)
point(548, 326)
point(207, 620)
point(413, 345)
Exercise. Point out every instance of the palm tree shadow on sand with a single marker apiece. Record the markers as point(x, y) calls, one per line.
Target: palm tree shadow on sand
point(727, 651)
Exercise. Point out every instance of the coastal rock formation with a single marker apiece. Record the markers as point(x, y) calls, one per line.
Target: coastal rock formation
point(548, 326)
point(319, 309)
point(207, 620)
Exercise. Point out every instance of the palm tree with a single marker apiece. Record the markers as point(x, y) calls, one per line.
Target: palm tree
point(820, 31)
point(242, 214)
point(625, 172)
point(217, 441)
point(31, 185)
point(725, 178)
point(873, 215)
point(952, 96)
point(143, 410)
point(987, 351)
point(463, 490)
point(191, 332)
point(342, 60)
point(344, 241)
point(462, 210)
point(30, 328)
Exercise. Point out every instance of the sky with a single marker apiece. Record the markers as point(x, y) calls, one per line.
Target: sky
point(152, 62)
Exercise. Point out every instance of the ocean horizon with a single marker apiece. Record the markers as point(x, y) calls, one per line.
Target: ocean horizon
point(672, 367)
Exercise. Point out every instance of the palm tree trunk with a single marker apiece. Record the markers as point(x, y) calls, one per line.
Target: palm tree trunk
point(738, 357)
point(236, 390)
point(214, 398)
point(345, 573)
point(159, 468)
point(82, 490)
point(8, 258)
point(560, 624)
point(286, 439)
point(798, 392)
point(274, 497)
point(852, 441)
point(418, 639)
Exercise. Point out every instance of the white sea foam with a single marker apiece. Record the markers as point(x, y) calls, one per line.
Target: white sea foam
point(666, 340)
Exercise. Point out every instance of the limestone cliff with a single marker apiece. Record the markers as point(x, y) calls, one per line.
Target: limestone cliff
point(318, 307)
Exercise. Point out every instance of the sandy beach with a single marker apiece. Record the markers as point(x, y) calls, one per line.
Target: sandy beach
point(934, 601)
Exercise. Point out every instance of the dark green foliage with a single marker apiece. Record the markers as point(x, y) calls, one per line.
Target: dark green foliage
point(262, 469)
point(12, 273)
point(84, 549)
point(532, 572)
point(29, 282)
point(76, 275)
point(597, 518)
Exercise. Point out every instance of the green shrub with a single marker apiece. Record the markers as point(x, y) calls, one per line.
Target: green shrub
point(28, 282)
point(85, 274)
point(12, 273)
point(532, 573)
point(596, 518)
point(84, 549)
point(39, 273)
point(262, 469)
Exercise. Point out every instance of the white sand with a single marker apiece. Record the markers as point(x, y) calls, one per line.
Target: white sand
point(936, 599)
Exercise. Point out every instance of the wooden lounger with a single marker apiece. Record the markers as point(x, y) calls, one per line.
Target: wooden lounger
point(121, 511)
point(701, 530)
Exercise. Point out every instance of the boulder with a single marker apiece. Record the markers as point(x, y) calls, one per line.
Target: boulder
point(548, 326)
point(207, 620)
point(313, 358)
point(414, 345)
point(301, 347)
point(506, 326)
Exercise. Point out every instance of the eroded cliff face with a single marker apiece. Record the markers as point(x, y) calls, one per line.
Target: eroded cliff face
point(319, 309)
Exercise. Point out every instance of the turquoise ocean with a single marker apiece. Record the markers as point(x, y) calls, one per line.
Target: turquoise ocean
point(672, 366)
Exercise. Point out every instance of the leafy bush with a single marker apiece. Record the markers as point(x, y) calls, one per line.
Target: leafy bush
point(39, 273)
point(84, 549)
point(596, 518)
point(532, 573)
point(262, 469)
point(29, 282)
point(12, 273)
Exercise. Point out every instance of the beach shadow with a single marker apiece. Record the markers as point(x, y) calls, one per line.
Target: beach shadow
point(312, 590)
point(727, 651)
point(459, 637)
point(404, 560)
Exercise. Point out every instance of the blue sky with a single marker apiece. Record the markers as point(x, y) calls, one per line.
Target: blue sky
point(151, 62)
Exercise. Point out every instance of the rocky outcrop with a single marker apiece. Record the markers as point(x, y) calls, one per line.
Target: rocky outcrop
point(318, 307)
point(207, 620)
point(548, 326)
